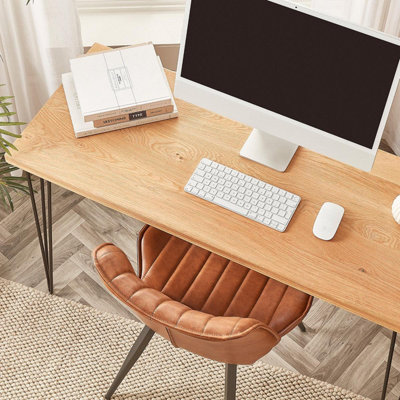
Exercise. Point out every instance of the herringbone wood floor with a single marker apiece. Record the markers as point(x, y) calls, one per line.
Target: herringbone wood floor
point(338, 347)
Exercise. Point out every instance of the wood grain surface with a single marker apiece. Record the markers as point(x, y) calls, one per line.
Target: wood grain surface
point(141, 172)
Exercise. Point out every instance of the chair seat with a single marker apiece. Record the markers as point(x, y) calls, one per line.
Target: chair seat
point(215, 285)
point(200, 301)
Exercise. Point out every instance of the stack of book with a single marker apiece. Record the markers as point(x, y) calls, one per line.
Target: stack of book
point(117, 89)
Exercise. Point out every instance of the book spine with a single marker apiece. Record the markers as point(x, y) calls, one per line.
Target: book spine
point(152, 112)
point(127, 110)
point(128, 124)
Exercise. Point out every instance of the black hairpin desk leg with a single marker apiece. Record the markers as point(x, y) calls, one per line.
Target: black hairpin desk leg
point(45, 241)
point(389, 365)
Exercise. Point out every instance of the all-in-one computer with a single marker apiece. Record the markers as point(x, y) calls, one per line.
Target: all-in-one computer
point(298, 77)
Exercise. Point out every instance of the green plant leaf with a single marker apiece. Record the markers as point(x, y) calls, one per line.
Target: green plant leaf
point(8, 144)
point(16, 135)
point(6, 197)
point(7, 114)
point(11, 123)
point(7, 170)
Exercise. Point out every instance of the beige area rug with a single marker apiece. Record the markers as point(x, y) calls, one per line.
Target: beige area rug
point(52, 348)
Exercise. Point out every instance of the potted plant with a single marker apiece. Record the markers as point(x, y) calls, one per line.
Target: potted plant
point(8, 182)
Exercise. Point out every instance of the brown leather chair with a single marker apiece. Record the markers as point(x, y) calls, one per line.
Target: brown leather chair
point(199, 301)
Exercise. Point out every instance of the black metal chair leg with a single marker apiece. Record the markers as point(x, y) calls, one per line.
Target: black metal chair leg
point(389, 365)
point(45, 241)
point(302, 327)
point(135, 352)
point(230, 381)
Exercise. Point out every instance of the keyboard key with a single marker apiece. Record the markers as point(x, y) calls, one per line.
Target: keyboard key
point(279, 219)
point(232, 207)
point(291, 203)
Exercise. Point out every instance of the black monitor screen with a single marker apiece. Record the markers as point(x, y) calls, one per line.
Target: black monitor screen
point(313, 71)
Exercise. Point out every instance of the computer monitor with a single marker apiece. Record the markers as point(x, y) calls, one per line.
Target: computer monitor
point(298, 77)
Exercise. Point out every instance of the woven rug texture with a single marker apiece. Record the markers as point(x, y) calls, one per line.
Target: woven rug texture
point(55, 349)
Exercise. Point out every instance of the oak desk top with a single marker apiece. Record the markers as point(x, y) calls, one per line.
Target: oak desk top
point(141, 172)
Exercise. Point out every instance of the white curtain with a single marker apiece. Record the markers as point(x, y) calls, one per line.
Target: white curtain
point(36, 42)
point(383, 15)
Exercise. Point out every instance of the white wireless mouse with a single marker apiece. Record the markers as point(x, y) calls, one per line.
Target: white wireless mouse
point(328, 220)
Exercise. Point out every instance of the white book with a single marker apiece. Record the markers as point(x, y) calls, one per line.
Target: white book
point(82, 128)
point(119, 81)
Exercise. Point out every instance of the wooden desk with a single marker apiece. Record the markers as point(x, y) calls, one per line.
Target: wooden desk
point(141, 172)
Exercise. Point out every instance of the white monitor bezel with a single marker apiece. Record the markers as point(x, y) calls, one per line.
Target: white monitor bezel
point(276, 124)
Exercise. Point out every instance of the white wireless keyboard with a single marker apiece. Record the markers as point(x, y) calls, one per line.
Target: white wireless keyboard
point(243, 194)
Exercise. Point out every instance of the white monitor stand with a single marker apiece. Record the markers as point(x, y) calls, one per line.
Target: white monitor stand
point(268, 150)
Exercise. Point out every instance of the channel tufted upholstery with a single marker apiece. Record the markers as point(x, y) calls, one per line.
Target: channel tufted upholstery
point(200, 301)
